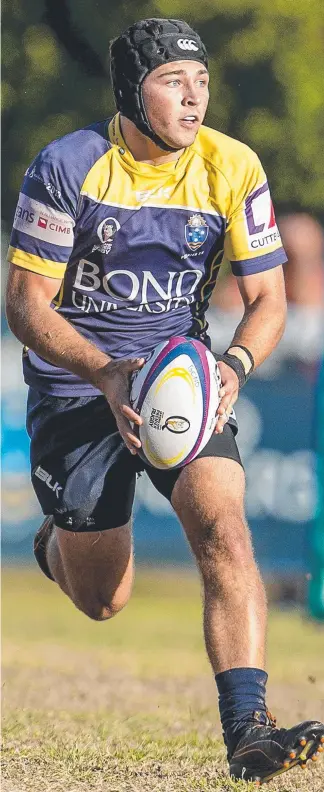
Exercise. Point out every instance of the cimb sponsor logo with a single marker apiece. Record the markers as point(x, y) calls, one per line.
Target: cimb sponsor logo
point(45, 222)
point(187, 44)
point(53, 225)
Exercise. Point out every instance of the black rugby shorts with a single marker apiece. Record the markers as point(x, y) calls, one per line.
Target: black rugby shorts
point(82, 472)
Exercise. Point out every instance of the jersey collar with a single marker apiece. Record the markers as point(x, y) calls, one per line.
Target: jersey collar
point(143, 168)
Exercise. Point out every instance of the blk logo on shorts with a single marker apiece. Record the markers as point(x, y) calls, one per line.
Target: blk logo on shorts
point(43, 475)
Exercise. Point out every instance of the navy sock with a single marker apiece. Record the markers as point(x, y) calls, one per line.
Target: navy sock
point(241, 693)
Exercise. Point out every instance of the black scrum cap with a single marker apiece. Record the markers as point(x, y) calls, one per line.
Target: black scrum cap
point(143, 47)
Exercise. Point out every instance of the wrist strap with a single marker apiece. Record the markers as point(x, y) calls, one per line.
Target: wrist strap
point(247, 352)
point(235, 363)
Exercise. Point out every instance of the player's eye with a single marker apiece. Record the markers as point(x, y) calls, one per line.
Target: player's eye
point(173, 82)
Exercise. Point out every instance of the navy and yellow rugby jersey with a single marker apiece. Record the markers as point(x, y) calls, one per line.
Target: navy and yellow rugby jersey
point(138, 247)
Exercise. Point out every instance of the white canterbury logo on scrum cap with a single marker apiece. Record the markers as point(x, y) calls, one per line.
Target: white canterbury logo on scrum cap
point(187, 44)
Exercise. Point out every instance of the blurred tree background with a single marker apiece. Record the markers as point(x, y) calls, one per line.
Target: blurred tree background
point(267, 78)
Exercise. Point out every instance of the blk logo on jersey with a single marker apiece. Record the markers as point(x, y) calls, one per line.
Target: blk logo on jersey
point(196, 231)
point(106, 232)
point(260, 219)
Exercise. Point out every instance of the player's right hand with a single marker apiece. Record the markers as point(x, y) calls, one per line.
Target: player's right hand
point(116, 387)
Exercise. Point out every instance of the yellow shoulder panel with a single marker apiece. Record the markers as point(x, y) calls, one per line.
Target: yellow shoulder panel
point(107, 174)
point(238, 165)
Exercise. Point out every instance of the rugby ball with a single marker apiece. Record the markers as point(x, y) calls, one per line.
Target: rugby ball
point(176, 395)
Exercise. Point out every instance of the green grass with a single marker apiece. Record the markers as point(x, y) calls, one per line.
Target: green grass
point(131, 704)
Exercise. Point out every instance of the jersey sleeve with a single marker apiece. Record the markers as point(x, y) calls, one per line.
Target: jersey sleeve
point(42, 234)
point(252, 239)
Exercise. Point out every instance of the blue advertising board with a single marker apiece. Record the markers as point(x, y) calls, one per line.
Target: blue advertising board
point(275, 440)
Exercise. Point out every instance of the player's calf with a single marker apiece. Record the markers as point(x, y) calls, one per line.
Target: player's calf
point(209, 500)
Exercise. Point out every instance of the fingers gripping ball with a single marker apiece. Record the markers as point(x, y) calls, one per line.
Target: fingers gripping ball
point(177, 395)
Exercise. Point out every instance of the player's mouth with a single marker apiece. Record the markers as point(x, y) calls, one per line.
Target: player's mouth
point(189, 121)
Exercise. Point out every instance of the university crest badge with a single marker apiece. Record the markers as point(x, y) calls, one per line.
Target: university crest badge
point(196, 231)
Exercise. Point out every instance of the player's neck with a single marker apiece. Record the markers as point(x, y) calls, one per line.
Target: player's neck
point(142, 148)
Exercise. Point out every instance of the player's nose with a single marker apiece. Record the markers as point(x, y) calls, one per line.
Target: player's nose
point(191, 98)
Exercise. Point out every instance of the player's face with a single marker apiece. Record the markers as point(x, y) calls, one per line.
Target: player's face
point(176, 98)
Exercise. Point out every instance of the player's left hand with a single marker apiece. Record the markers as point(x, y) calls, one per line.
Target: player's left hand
point(228, 395)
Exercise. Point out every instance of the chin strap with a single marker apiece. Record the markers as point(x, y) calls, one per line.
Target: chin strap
point(144, 126)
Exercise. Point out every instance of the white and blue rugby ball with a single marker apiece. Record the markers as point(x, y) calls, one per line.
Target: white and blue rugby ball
point(176, 394)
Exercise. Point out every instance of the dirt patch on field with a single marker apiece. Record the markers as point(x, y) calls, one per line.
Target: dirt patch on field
point(96, 729)
point(84, 684)
point(132, 706)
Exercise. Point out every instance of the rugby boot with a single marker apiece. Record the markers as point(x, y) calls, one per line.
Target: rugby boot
point(40, 542)
point(264, 751)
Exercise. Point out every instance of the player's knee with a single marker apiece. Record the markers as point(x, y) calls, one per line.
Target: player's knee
point(100, 612)
point(103, 609)
point(226, 539)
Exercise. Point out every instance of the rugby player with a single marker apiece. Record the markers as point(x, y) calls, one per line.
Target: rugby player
point(117, 240)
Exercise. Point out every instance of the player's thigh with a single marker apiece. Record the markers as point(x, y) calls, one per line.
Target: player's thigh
point(210, 481)
point(209, 487)
point(98, 566)
point(208, 498)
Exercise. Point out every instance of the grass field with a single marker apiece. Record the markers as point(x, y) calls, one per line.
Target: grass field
point(131, 705)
